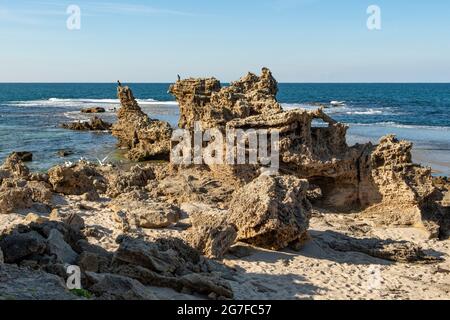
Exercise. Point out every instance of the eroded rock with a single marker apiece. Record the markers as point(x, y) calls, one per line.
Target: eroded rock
point(271, 212)
point(94, 124)
point(210, 232)
point(146, 139)
point(204, 101)
point(115, 287)
point(77, 179)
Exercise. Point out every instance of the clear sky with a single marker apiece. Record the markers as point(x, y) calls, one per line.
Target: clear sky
point(153, 41)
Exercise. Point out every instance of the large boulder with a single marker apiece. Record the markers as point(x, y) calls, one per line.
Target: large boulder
point(210, 233)
point(18, 246)
point(204, 101)
point(76, 179)
point(57, 247)
point(15, 195)
point(145, 138)
point(126, 181)
point(271, 212)
point(146, 213)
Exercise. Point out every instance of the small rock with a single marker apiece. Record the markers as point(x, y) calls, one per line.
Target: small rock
point(93, 110)
point(32, 217)
point(64, 153)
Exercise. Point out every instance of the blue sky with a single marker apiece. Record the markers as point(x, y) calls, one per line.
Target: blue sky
point(153, 41)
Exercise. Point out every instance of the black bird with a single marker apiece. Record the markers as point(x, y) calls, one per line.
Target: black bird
point(179, 78)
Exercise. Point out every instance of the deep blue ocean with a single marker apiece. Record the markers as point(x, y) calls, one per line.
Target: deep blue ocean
point(30, 115)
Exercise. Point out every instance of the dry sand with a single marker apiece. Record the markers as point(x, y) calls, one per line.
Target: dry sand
point(315, 272)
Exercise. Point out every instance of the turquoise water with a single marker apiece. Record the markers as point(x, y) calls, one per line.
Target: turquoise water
point(30, 115)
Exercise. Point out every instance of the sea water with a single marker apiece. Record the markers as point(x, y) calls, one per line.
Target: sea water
point(30, 115)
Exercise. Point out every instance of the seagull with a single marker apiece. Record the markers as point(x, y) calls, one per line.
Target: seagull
point(118, 82)
point(68, 164)
point(102, 162)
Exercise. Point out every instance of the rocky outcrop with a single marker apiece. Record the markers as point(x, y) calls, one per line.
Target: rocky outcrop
point(204, 101)
point(168, 263)
point(77, 179)
point(397, 251)
point(394, 190)
point(23, 156)
point(94, 124)
point(317, 152)
point(114, 287)
point(19, 189)
point(271, 212)
point(13, 167)
point(145, 138)
point(25, 284)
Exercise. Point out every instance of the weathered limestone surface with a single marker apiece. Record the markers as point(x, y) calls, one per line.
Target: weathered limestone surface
point(204, 100)
point(145, 138)
point(77, 179)
point(271, 212)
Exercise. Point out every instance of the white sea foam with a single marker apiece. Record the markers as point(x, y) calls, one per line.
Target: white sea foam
point(399, 125)
point(366, 112)
point(77, 103)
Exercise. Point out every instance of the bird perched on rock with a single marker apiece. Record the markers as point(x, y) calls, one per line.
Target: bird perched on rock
point(118, 82)
point(179, 78)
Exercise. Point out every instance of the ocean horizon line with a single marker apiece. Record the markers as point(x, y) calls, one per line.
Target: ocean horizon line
point(132, 82)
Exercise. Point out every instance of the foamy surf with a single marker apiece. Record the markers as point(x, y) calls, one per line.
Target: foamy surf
point(76, 103)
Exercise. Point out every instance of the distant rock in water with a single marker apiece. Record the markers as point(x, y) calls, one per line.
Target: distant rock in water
point(94, 124)
point(93, 110)
point(64, 153)
point(146, 139)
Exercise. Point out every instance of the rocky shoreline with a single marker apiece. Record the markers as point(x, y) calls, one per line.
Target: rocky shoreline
point(158, 230)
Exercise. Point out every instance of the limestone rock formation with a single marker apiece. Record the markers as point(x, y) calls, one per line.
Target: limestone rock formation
point(315, 152)
point(397, 191)
point(210, 233)
point(13, 167)
point(77, 179)
point(271, 212)
point(24, 156)
point(136, 177)
point(146, 213)
point(94, 124)
point(204, 100)
point(146, 139)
